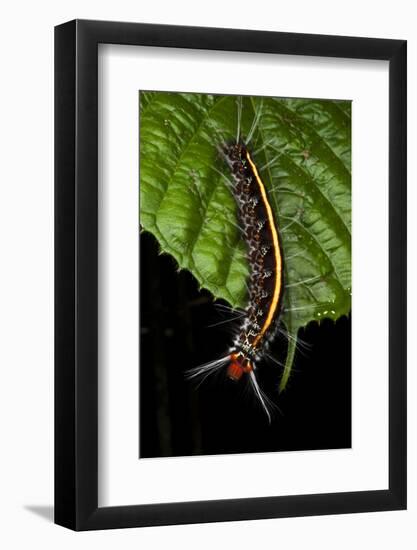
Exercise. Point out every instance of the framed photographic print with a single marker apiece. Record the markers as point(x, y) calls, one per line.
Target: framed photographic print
point(230, 275)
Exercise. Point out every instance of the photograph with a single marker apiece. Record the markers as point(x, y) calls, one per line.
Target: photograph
point(244, 274)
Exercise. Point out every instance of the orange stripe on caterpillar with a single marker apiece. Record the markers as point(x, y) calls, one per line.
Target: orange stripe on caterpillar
point(276, 250)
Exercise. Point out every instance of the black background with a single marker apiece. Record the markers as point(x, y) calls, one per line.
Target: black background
point(222, 416)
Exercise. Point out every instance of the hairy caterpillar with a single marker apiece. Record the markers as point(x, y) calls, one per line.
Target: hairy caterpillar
point(259, 323)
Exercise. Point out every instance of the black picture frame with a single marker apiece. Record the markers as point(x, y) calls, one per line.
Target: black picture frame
point(76, 271)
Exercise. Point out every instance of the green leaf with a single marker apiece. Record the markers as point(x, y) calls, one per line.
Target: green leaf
point(302, 148)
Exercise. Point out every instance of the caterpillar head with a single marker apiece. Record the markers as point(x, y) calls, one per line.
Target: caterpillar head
point(238, 366)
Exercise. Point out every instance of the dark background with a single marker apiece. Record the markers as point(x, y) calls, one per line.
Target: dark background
point(222, 416)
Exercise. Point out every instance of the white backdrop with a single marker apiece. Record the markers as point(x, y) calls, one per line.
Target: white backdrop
point(122, 477)
point(26, 300)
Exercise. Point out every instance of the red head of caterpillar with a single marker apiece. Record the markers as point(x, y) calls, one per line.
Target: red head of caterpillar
point(239, 365)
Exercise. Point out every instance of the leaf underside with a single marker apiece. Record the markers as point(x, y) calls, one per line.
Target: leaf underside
point(302, 148)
